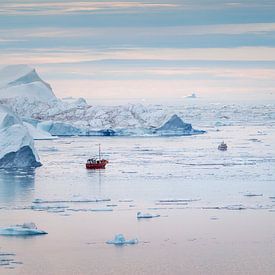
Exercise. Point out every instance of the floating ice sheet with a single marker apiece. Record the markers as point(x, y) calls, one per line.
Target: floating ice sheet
point(70, 200)
point(26, 229)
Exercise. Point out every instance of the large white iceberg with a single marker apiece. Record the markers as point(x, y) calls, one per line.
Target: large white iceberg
point(68, 117)
point(16, 144)
point(23, 81)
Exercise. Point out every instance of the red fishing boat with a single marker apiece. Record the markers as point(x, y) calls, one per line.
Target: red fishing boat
point(94, 163)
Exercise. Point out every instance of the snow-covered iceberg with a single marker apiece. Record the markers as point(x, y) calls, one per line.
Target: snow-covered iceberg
point(26, 229)
point(23, 81)
point(120, 240)
point(16, 144)
point(69, 117)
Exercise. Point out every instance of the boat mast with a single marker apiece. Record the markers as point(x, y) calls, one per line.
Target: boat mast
point(99, 151)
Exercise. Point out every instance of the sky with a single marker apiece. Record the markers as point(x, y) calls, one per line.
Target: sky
point(144, 49)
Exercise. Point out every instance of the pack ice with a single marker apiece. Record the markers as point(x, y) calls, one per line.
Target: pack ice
point(16, 144)
point(33, 100)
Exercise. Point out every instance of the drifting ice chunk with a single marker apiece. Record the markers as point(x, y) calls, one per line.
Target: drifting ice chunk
point(120, 240)
point(146, 215)
point(26, 229)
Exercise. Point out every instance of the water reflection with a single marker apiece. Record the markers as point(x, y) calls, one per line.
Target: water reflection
point(16, 185)
point(96, 178)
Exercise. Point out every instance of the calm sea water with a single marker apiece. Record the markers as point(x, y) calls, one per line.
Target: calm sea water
point(211, 185)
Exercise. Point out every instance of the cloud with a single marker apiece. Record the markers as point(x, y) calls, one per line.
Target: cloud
point(67, 55)
point(227, 29)
point(69, 7)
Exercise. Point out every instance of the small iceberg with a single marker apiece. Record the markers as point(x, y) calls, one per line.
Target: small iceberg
point(146, 215)
point(120, 240)
point(193, 95)
point(26, 229)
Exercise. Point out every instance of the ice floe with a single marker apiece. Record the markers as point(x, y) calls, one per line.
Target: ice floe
point(26, 229)
point(141, 215)
point(120, 240)
point(73, 200)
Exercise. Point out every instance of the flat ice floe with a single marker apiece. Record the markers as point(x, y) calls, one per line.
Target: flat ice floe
point(40, 201)
point(141, 215)
point(26, 229)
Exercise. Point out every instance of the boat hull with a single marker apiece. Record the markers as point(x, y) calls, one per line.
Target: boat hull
point(98, 165)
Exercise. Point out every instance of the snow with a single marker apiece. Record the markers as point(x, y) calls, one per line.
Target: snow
point(16, 144)
point(120, 240)
point(22, 81)
point(26, 229)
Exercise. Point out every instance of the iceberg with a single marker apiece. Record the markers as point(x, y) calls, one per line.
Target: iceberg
point(38, 134)
point(176, 126)
point(16, 144)
point(146, 215)
point(191, 96)
point(23, 81)
point(120, 240)
point(33, 100)
point(26, 229)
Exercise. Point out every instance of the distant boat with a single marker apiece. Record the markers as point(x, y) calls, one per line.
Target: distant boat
point(222, 146)
point(94, 163)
